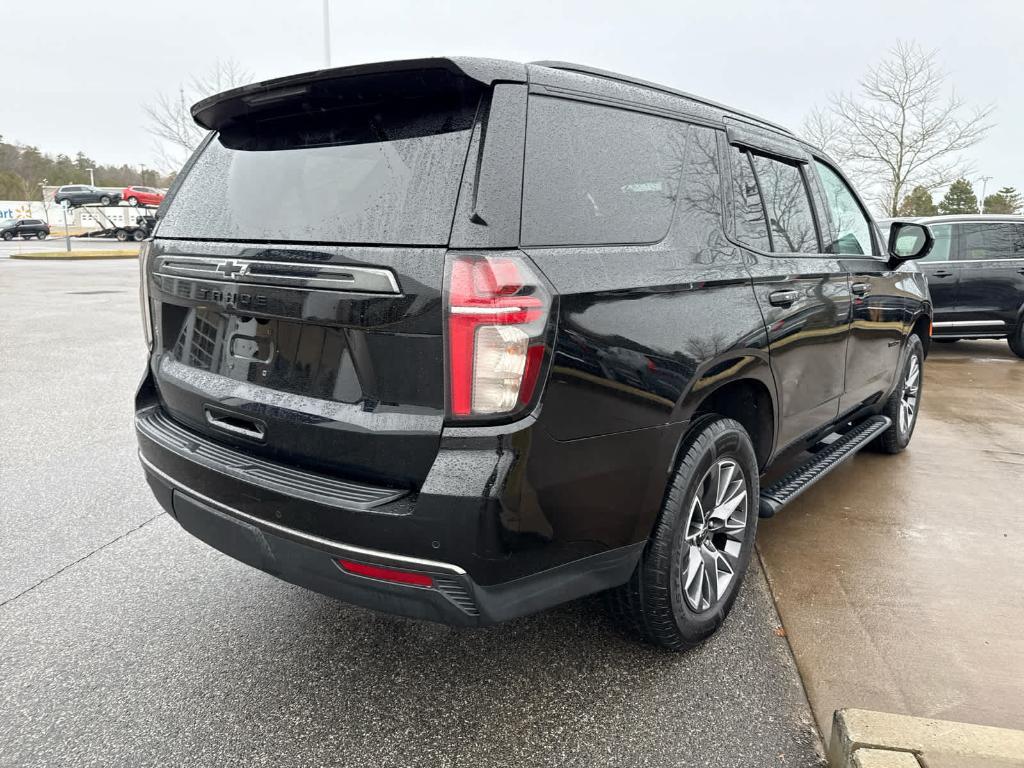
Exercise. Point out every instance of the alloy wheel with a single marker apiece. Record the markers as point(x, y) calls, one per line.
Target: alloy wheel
point(714, 534)
point(911, 391)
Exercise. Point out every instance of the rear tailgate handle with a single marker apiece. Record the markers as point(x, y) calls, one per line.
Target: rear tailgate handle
point(782, 298)
point(235, 424)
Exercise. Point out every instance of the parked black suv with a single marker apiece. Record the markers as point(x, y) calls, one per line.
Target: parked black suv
point(83, 194)
point(976, 277)
point(25, 229)
point(466, 339)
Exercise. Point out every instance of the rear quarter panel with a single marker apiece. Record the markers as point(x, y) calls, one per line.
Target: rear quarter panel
point(645, 354)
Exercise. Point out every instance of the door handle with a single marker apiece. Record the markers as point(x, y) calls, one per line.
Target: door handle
point(235, 424)
point(782, 298)
point(860, 288)
point(942, 273)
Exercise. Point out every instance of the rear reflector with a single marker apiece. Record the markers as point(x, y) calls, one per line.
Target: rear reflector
point(387, 574)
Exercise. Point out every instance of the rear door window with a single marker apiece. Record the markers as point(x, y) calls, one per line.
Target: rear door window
point(382, 174)
point(751, 222)
point(989, 241)
point(790, 218)
point(598, 175)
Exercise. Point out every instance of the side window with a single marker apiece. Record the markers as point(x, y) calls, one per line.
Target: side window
point(748, 208)
point(598, 175)
point(992, 241)
point(943, 234)
point(790, 219)
point(853, 228)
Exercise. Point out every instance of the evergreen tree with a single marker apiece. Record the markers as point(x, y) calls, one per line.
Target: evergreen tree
point(959, 198)
point(918, 203)
point(1006, 200)
point(12, 186)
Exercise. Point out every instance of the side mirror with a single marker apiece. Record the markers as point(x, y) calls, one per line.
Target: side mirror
point(909, 241)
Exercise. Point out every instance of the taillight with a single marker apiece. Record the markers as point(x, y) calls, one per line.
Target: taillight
point(497, 311)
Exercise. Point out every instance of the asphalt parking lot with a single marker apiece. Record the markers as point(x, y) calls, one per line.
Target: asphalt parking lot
point(127, 642)
point(124, 641)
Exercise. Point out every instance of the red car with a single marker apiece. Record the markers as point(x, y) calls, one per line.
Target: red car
point(142, 196)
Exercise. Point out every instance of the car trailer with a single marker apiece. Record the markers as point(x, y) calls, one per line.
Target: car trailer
point(138, 231)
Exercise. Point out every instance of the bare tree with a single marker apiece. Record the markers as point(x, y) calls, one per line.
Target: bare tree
point(903, 128)
point(170, 121)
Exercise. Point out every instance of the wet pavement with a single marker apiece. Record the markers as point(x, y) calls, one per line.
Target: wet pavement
point(124, 641)
point(900, 580)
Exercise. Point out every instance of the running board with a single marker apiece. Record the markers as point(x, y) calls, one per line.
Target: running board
point(787, 488)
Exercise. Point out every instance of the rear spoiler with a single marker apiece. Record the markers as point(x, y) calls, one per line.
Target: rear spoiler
point(219, 110)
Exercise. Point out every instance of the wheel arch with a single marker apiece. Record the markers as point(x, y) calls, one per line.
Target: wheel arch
point(740, 386)
point(750, 402)
point(923, 328)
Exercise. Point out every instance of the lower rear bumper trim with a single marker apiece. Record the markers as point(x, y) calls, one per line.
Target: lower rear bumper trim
point(334, 547)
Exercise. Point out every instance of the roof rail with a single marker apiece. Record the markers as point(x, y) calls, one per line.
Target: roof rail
point(594, 72)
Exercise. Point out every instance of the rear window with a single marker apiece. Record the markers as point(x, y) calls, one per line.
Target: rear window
point(598, 175)
point(381, 174)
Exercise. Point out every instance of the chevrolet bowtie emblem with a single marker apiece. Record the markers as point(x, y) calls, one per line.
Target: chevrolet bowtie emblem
point(231, 269)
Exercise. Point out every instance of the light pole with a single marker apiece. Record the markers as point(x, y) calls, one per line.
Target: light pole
point(92, 179)
point(984, 183)
point(327, 35)
point(42, 196)
point(67, 232)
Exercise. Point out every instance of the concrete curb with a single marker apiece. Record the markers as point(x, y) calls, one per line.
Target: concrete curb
point(862, 739)
point(72, 256)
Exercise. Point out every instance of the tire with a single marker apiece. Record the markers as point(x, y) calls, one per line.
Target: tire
point(121, 235)
point(8, 235)
point(42, 235)
point(905, 399)
point(138, 235)
point(666, 602)
point(1016, 340)
point(133, 200)
point(942, 340)
point(105, 200)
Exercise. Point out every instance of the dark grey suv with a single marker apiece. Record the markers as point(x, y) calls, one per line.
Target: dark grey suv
point(84, 194)
point(976, 277)
point(25, 229)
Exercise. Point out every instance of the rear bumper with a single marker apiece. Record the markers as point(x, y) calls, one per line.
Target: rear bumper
point(308, 561)
point(507, 522)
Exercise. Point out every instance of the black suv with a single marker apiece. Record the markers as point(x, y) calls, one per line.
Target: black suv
point(976, 276)
point(466, 339)
point(83, 194)
point(25, 229)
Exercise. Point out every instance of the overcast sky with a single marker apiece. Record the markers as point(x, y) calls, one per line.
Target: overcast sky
point(75, 73)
